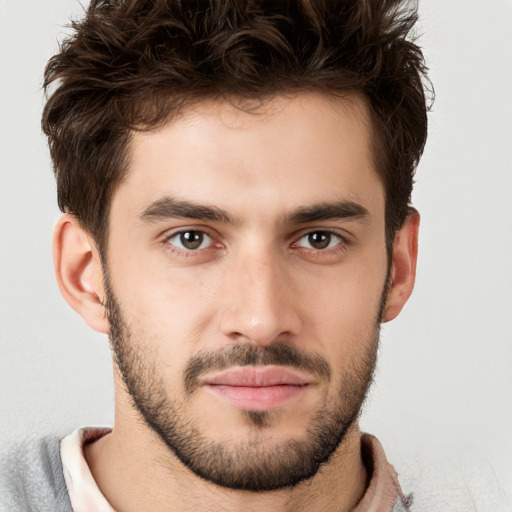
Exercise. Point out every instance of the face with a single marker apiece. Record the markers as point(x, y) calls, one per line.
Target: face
point(246, 273)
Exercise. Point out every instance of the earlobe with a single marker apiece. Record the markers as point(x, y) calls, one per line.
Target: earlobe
point(403, 269)
point(78, 270)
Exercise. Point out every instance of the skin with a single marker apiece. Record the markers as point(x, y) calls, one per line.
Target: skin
point(257, 279)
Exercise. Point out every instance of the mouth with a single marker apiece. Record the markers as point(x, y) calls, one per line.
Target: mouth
point(257, 388)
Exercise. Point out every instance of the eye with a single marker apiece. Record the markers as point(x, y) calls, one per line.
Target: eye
point(190, 240)
point(319, 240)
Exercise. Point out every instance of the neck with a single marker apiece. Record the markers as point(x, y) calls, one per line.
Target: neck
point(136, 472)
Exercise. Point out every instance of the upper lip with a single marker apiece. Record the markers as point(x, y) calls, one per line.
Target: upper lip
point(257, 376)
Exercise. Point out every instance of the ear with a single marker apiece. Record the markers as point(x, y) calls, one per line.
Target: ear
point(403, 269)
point(79, 273)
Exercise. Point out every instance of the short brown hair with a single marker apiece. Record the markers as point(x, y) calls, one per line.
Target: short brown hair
point(133, 64)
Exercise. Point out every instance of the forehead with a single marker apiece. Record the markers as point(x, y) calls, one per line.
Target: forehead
point(288, 151)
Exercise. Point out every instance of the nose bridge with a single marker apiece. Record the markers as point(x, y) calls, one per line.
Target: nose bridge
point(258, 303)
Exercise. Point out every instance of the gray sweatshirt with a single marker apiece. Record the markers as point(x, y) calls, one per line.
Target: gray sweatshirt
point(31, 478)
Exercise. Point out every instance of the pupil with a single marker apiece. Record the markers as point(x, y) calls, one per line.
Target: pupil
point(192, 239)
point(319, 240)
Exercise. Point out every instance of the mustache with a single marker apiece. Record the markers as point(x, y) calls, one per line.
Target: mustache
point(279, 353)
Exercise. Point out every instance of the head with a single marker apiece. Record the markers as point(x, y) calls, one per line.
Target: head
point(236, 179)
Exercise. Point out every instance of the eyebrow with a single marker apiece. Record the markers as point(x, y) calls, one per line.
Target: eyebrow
point(168, 208)
point(342, 210)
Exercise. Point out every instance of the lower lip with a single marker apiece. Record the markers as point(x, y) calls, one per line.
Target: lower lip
point(257, 398)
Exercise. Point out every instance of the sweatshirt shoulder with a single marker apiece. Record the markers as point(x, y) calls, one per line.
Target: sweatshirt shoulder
point(31, 477)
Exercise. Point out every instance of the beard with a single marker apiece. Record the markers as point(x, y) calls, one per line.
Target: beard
point(250, 465)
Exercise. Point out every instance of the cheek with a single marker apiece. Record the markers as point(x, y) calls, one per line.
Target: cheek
point(172, 307)
point(342, 307)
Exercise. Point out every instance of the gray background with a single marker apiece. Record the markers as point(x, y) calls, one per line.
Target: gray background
point(442, 401)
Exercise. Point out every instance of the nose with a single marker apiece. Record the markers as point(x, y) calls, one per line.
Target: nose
point(259, 299)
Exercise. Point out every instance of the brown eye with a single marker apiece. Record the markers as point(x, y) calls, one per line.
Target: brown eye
point(190, 240)
point(319, 240)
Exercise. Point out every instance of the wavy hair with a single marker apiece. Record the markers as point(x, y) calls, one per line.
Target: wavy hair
point(135, 64)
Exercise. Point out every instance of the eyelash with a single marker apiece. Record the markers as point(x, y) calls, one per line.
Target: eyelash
point(327, 253)
point(187, 253)
point(339, 247)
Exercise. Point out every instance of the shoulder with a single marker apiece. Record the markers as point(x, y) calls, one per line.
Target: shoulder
point(31, 477)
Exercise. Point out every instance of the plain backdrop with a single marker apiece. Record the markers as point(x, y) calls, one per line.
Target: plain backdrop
point(442, 400)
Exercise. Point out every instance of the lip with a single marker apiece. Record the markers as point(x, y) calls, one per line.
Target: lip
point(257, 388)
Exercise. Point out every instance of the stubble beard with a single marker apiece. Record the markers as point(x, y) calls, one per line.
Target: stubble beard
point(250, 465)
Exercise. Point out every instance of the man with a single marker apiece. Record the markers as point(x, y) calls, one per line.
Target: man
point(235, 178)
